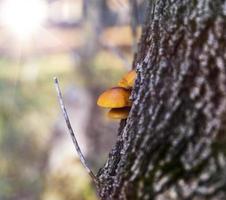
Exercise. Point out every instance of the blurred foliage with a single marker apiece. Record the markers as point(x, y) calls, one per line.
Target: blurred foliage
point(68, 184)
point(107, 69)
point(28, 109)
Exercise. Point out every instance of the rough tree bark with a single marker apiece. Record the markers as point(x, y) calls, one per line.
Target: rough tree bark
point(172, 144)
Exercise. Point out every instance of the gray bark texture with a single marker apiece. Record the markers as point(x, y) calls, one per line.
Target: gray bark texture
point(173, 144)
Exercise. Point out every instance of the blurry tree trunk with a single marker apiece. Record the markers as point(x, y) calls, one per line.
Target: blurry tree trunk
point(172, 146)
point(99, 143)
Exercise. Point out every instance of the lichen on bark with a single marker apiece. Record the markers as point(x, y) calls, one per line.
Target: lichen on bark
point(172, 144)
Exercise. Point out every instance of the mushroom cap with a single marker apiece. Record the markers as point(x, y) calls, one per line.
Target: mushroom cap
point(119, 113)
point(128, 80)
point(116, 97)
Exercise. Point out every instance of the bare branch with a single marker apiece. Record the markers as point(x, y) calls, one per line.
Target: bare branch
point(81, 157)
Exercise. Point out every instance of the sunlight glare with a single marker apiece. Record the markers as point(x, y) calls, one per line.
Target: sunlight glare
point(23, 17)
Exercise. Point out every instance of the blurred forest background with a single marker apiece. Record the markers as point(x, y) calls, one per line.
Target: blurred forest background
point(88, 45)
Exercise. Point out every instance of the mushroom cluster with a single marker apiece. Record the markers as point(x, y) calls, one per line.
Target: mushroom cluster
point(117, 98)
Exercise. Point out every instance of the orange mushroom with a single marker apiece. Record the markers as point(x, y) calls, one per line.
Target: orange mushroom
point(116, 97)
point(119, 113)
point(128, 80)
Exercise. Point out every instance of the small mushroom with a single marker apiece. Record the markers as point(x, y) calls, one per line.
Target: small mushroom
point(116, 97)
point(119, 113)
point(128, 80)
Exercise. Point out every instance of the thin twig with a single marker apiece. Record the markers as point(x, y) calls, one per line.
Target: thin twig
point(82, 159)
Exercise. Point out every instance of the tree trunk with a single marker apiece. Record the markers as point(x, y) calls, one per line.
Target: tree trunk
point(172, 144)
